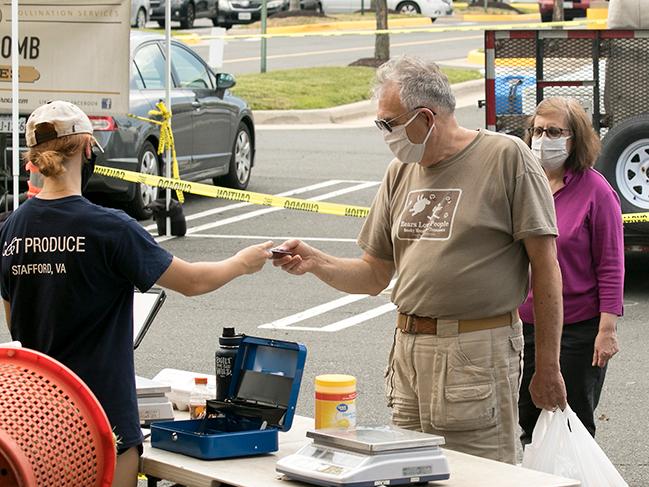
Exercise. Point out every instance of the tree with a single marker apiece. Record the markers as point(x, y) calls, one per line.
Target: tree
point(382, 42)
point(557, 11)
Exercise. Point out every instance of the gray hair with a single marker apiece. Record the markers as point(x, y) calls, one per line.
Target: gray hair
point(420, 82)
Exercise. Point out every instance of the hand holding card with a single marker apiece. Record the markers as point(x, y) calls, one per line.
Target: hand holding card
point(280, 253)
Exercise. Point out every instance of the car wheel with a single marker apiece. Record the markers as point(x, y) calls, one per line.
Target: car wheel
point(161, 23)
point(188, 23)
point(433, 19)
point(224, 24)
point(408, 8)
point(238, 175)
point(546, 16)
point(624, 161)
point(145, 194)
point(318, 8)
point(140, 20)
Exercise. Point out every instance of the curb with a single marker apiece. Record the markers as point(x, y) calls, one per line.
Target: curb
point(193, 38)
point(338, 114)
point(495, 18)
point(475, 57)
point(351, 25)
point(348, 112)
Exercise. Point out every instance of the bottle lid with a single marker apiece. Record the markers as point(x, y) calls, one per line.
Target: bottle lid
point(200, 380)
point(229, 338)
point(335, 380)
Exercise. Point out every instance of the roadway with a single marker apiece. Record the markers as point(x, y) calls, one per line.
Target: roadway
point(242, 56)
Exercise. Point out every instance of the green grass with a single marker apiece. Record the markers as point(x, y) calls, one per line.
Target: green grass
point(309, 88)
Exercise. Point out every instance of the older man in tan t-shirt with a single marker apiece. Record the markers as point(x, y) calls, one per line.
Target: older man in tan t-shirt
point(460, 216)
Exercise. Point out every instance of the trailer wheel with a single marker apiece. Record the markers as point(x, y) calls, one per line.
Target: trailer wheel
point(624, 161)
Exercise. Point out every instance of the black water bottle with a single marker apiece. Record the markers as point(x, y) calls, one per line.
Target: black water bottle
point(224, 357)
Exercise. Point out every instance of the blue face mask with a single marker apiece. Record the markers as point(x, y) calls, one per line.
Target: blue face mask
point(402, 147)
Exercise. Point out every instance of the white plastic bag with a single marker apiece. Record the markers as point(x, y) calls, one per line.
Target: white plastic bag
point(561, 445)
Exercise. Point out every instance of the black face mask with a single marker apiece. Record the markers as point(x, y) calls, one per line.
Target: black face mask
point(88, 168)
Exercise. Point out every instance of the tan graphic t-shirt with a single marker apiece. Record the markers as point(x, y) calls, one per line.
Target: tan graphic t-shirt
point(455, 230)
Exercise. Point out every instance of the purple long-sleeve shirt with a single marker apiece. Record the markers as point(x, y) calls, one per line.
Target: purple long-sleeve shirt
point(590, 248)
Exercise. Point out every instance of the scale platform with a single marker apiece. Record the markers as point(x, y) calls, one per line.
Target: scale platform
point(367, 456)
point(152, 401)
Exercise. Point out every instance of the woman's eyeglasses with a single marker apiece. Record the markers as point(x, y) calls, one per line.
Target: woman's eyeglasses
point(553, 132)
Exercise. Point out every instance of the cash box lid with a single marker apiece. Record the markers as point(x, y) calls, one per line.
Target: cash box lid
point(265, 382)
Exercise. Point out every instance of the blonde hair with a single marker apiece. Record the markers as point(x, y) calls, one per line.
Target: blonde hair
point(51, 156)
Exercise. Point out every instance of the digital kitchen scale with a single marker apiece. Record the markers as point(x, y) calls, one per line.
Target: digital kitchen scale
point(367, 456)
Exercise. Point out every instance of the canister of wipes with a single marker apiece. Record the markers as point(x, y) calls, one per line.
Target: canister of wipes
point(335, 401)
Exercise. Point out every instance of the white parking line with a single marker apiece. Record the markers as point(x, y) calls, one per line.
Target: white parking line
point(214, 211)
point(275, 238)
point(285, 323)
point(354, 320)
point(235, 219)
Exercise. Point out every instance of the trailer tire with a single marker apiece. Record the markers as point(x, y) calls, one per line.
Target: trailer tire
point(624, 162)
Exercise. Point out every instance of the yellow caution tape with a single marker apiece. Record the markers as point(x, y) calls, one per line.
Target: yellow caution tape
point(166, 139)
point(264, 199)
point(635, 217)
point(530, 25)
point(233, 194)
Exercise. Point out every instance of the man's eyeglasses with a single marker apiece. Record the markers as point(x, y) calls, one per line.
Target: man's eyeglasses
point(385, 124)
point(553, 132)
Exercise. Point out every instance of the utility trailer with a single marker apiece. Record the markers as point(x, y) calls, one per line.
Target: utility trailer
point(607, 71)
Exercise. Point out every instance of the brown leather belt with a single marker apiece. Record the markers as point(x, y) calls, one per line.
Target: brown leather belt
point(418, 324)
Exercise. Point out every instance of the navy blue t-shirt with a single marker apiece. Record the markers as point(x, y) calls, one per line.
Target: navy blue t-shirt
point(68, 270)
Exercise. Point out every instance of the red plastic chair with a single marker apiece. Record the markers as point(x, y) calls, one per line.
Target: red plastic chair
point(53, 431)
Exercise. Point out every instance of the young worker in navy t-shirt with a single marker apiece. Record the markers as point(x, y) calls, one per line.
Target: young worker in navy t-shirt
point(69, 269)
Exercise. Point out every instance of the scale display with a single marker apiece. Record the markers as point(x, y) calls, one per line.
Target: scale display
point(367, 456)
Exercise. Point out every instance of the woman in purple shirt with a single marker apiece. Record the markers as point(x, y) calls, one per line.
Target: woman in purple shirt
point(590, 252)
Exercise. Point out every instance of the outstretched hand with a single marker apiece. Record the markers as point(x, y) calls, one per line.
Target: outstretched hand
point(299, 262)
point(254, 257)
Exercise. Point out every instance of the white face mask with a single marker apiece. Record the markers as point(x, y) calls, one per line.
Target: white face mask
point(401, 146)
point(551, 153)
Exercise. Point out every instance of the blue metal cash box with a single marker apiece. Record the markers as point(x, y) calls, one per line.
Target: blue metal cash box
point(261, 401)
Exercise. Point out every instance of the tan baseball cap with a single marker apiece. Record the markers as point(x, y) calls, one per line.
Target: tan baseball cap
point(67, 119)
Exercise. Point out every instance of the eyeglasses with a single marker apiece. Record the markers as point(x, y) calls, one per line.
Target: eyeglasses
point(385, 124)
point(553, 132)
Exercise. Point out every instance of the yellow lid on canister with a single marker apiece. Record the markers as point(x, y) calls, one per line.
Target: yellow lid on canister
point(331, 382)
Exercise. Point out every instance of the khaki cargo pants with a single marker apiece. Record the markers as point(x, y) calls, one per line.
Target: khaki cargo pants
point(463, 387)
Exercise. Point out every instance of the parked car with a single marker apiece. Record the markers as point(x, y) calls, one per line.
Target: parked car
point(139, 13)
point(232, 12)
point(428, 8)
point(213, 130)
point(571, 9)
point(185, 11)
point(305, 5)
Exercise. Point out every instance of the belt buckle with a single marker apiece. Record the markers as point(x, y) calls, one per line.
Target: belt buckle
point(410, 324)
